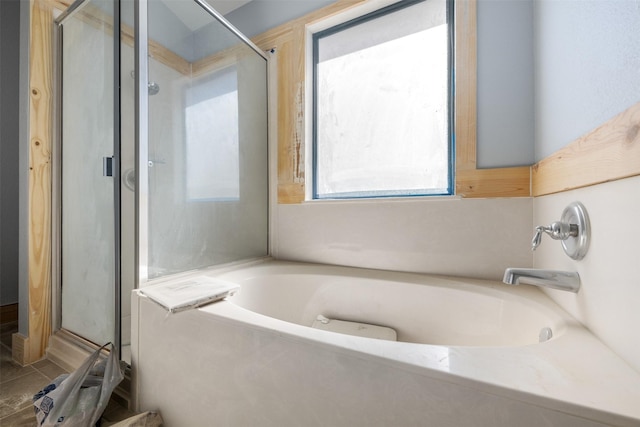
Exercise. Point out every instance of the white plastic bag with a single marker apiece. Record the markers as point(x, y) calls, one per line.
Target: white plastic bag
point(80, 398)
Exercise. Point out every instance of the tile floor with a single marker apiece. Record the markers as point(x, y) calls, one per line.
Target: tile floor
point(18, 384)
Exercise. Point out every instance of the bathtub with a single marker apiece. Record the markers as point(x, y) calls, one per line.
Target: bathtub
point(466, 353)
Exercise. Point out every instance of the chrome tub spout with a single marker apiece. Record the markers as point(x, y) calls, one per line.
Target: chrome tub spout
point(562, 280)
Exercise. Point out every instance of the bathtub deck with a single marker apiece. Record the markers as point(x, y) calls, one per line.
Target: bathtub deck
point(257, 369)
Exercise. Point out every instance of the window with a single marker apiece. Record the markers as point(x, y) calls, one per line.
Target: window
point(213, 156)
point(382, 103)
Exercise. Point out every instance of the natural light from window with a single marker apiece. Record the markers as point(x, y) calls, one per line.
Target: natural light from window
point(213, 169)
point(382, 107)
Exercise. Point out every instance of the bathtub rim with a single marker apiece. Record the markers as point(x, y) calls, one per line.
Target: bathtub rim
point(605, 392)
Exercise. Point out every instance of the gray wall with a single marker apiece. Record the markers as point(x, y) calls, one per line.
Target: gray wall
point(505, 83)
point(587, 67)
point(550, 71)
point(9, 153)
point(259, 16)
point(23, 179)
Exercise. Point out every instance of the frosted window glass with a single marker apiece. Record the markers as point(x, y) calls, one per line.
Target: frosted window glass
point(382, 109)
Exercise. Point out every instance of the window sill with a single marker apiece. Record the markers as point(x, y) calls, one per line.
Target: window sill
point(382, 200)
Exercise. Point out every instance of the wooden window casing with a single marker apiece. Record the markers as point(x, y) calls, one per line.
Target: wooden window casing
point(289, 41)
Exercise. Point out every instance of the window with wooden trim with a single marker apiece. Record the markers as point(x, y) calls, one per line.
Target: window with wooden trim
point(382, 99)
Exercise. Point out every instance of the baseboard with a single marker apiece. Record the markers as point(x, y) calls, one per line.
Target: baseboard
point(8, 313)
point(20, 349)
point(68, 351)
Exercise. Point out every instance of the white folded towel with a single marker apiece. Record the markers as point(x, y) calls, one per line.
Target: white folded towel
point(189, 293)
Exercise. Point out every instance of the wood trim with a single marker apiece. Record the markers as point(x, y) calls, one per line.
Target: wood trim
point(164, 55)
point(500, 182)
point(101, 20)
point(20, 349)
point(290, 139)
point(68, 350)
point(289, 41)
point(465, 81)
point(40, 146)
point(609, 152)
point(60, 5)
point(218, 61)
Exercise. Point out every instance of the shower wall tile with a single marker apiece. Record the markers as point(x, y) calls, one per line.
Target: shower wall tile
point(462, 237)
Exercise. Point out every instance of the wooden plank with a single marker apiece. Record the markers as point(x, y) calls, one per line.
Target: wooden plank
point(609, 152)
point(289, 40)
point(465, 84)
point(20, 349)
point(166, 56)
point(40, 140)
point(271, 38)
point(290, 193)
point(502, 182)
point(290, 133)
point(99, 19)
point(60, 5)
point(218, 61)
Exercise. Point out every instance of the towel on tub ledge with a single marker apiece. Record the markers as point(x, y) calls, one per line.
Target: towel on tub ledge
point(189, 293)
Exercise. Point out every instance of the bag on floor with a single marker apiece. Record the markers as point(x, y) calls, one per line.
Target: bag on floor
point(80, 398)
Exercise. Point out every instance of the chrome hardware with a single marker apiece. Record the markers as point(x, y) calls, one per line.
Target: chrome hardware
point(562, 280)
point(557, 231)
point(153, 87)
point(573, 230)
point(153, 162)
point(129, 179)
point(107, 166)
point(545, 334)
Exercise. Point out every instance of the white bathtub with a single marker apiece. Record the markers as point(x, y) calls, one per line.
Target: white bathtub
point(468, 354)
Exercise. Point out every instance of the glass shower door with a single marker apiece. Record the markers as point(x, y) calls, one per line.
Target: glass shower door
point(88, 196)
point(205, 160)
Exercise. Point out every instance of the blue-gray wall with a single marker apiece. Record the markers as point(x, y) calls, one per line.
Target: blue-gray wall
point(9, 149)
point(549, 71)
point(258, 16)
point(505, 132)
point(587, 67)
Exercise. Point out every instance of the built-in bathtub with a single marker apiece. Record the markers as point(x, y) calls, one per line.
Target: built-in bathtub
point(468, 354)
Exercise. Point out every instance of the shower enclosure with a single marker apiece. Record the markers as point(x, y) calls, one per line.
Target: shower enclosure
point(162, 153)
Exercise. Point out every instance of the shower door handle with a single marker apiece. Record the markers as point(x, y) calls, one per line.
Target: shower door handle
point(107, 166)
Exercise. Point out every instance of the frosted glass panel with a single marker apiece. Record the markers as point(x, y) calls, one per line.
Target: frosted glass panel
point(212, 164)
point(208, 189)
point(382, 115)
point(87, 196)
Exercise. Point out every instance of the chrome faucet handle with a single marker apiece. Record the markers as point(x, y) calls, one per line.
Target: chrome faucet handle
point(557, 231)
point(537, 238)
point(573, 229)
